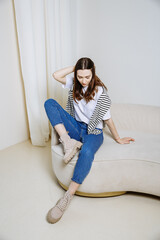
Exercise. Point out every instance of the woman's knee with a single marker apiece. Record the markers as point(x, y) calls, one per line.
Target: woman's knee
point(50, 102)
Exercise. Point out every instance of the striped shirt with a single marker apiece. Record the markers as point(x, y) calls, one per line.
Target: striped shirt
point(100, 108)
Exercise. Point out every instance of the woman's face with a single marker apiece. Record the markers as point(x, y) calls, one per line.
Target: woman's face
point(84, 76)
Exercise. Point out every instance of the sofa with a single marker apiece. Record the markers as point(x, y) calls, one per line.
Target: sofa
point(118, 168)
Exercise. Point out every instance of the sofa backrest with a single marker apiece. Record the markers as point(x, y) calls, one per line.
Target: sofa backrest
point(137, 117)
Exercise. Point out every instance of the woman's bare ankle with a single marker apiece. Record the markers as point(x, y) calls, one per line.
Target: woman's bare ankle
point(71, 192)
point(73, 187)
point(60, 129)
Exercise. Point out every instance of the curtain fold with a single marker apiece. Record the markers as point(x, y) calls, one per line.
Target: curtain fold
point(45, 40)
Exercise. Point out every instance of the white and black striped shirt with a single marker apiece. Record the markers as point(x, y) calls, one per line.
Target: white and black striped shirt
point(100, 112)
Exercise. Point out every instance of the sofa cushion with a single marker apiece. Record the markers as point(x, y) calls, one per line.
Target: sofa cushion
point(146, 148)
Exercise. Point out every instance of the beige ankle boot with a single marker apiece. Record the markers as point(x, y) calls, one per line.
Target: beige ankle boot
point(55, 213)
point(71, 147)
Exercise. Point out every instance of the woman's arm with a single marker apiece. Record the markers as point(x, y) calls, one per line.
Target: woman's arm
point(60, 75)
point(115, 134)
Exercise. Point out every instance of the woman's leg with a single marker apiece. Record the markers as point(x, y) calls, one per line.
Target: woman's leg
point(90, 146)
point(61, 120)
point(60, 129)
point(86, 156)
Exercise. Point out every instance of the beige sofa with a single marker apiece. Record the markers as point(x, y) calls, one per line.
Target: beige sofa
point(118, 168)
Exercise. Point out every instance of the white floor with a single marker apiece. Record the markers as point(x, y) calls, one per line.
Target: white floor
point(28, 189)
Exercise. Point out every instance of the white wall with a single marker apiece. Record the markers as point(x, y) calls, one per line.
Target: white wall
point(13, 117)
point(123, 39)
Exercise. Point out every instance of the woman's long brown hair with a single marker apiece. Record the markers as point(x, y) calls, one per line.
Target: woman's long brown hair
point(86, 63)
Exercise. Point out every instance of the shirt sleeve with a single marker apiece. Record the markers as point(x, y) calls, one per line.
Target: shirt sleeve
point(107, 115)
point(69, 82)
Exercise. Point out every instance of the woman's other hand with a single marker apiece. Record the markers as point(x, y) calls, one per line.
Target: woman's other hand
point(125, 140)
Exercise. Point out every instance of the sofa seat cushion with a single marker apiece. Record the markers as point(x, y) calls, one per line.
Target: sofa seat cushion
point(146, 148)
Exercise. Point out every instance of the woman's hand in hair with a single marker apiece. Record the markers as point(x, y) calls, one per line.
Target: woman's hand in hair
point(60, 75)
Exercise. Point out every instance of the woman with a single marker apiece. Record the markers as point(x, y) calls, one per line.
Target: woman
point(80, 127)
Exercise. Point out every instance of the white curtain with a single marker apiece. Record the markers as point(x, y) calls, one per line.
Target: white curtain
point(46, 39)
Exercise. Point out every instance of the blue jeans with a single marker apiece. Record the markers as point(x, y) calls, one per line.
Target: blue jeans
point(78, 131)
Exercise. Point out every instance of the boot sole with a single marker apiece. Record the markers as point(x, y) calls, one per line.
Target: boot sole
point(73, 153)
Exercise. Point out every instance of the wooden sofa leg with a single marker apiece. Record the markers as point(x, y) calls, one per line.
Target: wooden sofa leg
point(84, 194)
